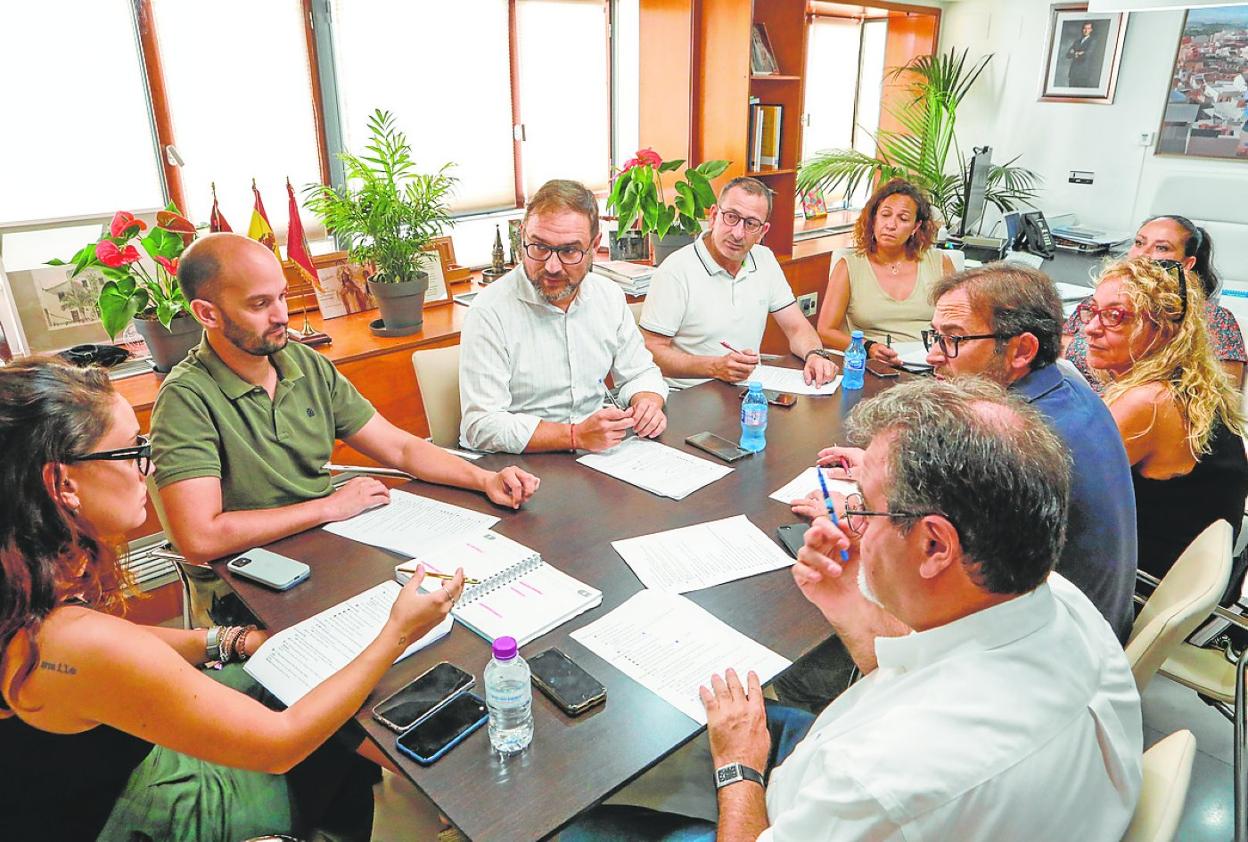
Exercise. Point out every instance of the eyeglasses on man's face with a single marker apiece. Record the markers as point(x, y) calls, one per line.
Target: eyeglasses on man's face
point(140, 452)
point(568, 255)
point(1111, 317)
point(856, 513)
point(732, 218)
point(949, 342)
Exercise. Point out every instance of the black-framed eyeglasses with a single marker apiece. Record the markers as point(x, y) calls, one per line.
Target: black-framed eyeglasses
point(949, 343)
point(1176, 268)
point(568, 255)
point(752, 225)
point(141, 453)
point(856, 513)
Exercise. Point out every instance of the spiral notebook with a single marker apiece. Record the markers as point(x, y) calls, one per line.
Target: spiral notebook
point(520, 595)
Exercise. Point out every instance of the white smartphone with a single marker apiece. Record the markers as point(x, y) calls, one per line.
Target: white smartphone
point(269, 568)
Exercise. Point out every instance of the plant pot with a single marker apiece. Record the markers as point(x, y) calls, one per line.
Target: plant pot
point(632, 245)
point(402, 304)
point(169, 346)
point(665, 246)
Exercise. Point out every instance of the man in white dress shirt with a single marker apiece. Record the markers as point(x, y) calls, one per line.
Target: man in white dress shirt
point(996, 704)
point(708, 303)
point(539, 343)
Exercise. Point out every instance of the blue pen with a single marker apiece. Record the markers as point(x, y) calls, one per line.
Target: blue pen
point(827, 502)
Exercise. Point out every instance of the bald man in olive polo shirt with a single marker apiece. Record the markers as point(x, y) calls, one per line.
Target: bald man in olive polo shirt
point(243, 426)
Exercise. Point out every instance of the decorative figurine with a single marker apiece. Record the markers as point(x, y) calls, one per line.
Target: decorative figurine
point(497, 268)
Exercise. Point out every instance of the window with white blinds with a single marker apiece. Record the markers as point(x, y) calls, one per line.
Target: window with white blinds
point(77, 137)
point(240, 101)
point(444, 70)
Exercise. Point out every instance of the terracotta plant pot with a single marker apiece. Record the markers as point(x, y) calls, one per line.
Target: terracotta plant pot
point(169, 346)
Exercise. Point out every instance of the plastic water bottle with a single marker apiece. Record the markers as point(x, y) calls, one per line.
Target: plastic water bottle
point(754, 419)
point(855, 362)
point(509, 697)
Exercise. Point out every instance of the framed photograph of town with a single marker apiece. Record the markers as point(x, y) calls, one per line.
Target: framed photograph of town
point(1205, 114)
point(1082, 54)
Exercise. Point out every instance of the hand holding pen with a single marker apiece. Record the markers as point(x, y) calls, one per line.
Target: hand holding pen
point(734, 366)
point(827, 502)
point(841, 462)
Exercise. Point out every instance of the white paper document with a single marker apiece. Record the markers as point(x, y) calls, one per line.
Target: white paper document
point(657, 468)
point(410, 524)
point(788, 380)
point(808, 481)
point(701, 556)
point(911, 353)
point(293, 661)
point(672, 646)
point(1072, 292)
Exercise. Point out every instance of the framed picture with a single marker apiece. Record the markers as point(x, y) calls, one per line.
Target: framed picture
point(762, 58)
point(434, 264)
point(341, 287)
point(813, 204)
point(1082, 54)
point(1205, 114)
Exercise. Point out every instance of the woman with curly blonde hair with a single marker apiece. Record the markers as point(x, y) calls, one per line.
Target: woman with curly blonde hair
point(1176, 409)
point(882, 287)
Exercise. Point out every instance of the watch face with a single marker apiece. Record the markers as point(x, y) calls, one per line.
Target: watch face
point(727, 774)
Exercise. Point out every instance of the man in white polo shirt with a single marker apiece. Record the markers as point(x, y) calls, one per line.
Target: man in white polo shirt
point(708, 303)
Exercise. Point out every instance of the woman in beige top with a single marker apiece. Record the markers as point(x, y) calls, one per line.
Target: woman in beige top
point(882, 287)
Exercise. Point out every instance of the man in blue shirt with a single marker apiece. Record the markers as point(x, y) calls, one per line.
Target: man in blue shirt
point(1003, 321)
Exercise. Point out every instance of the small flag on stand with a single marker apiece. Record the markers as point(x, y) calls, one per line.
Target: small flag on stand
point(216, 222)
point(299, 254)
point(260, 229)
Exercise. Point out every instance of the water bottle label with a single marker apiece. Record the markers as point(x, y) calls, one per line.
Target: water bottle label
point(753, 416)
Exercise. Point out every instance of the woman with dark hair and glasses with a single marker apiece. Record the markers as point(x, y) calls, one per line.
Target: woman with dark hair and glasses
point(882, 287)
point(1173, 237)
point(110, 729)
point(1178, 414)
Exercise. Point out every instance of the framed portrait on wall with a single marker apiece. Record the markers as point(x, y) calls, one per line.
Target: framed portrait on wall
point(1082, 53)
point(1205, 115)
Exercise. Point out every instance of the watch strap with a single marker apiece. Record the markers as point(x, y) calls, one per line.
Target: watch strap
point(866, 345)
point(821, 352)
point(732, 773)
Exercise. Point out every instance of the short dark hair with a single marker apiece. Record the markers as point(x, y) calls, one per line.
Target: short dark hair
point(957, 444)
point(924, 235)
point(561, 194)
point(198, 270)
point(1015, 299)
point(752, 186)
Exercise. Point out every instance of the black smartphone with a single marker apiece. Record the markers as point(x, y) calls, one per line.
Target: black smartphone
point(775, 398)
point(564, 683)
point(792, 536)
point(425, 694)
point(717, 446)
point(442, 730)
point(881, 369)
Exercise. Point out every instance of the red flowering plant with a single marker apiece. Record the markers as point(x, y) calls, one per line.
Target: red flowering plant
point(130, 290)
point(637, 196)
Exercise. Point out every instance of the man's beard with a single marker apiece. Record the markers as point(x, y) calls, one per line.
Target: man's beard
point(256, 345)
point(564, 294)
point(864, 587)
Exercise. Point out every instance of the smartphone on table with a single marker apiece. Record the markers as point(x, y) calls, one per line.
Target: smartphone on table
point(269, 568)
point(422, 696)
point(564, 683)
point(775, 398)
point(717, 446)
point(881, 369)
point(442, 730)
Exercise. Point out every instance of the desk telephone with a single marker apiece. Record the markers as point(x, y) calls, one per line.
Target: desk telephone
point(1030, 232)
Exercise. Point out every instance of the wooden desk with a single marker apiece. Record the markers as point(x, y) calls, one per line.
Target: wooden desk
point(575, 763)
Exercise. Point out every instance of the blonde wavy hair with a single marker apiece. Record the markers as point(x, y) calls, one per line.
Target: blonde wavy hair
point(1181, 355)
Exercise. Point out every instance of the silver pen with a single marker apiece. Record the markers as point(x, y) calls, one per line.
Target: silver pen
point(363, 469)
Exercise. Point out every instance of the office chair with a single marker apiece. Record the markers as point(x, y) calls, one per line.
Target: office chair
point(1183, 599)
point(201, 588)
point(1167, 774)
point(636, 307)
point(437, 375)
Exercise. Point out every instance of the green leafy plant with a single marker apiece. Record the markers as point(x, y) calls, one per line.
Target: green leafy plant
point(388, 212)
point(130, 290)
point(637, 195)
point(920, 151)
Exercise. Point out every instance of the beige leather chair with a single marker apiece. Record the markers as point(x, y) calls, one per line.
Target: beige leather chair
point(437, 374)
point(1185, 597)
point(199, 583)
point(1167, 774)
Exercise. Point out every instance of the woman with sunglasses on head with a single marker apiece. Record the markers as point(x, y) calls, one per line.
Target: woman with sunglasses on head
point(1177, 238)
point(1178, 414)
point(881, 287)
point(110, 729)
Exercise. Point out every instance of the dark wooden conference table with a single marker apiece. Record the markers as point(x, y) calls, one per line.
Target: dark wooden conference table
point(574, 763)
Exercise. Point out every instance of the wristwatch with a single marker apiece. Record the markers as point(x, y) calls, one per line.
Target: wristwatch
point(822, 352)
point(212, 644)
point(866, 345)
point(734, 772)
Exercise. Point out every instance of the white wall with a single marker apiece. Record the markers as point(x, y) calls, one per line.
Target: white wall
point(1055, 138)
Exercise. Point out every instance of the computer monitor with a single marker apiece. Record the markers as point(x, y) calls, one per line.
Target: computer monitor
point(976, 189)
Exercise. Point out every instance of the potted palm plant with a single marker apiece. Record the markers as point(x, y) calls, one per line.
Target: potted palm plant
point(637, 197)
point(920, 151)
point(151, 300)
point(386, 216)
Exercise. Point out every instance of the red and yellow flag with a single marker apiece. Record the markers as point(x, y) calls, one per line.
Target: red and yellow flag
point(216, 222)
point(297, 242)
point(260, 229)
